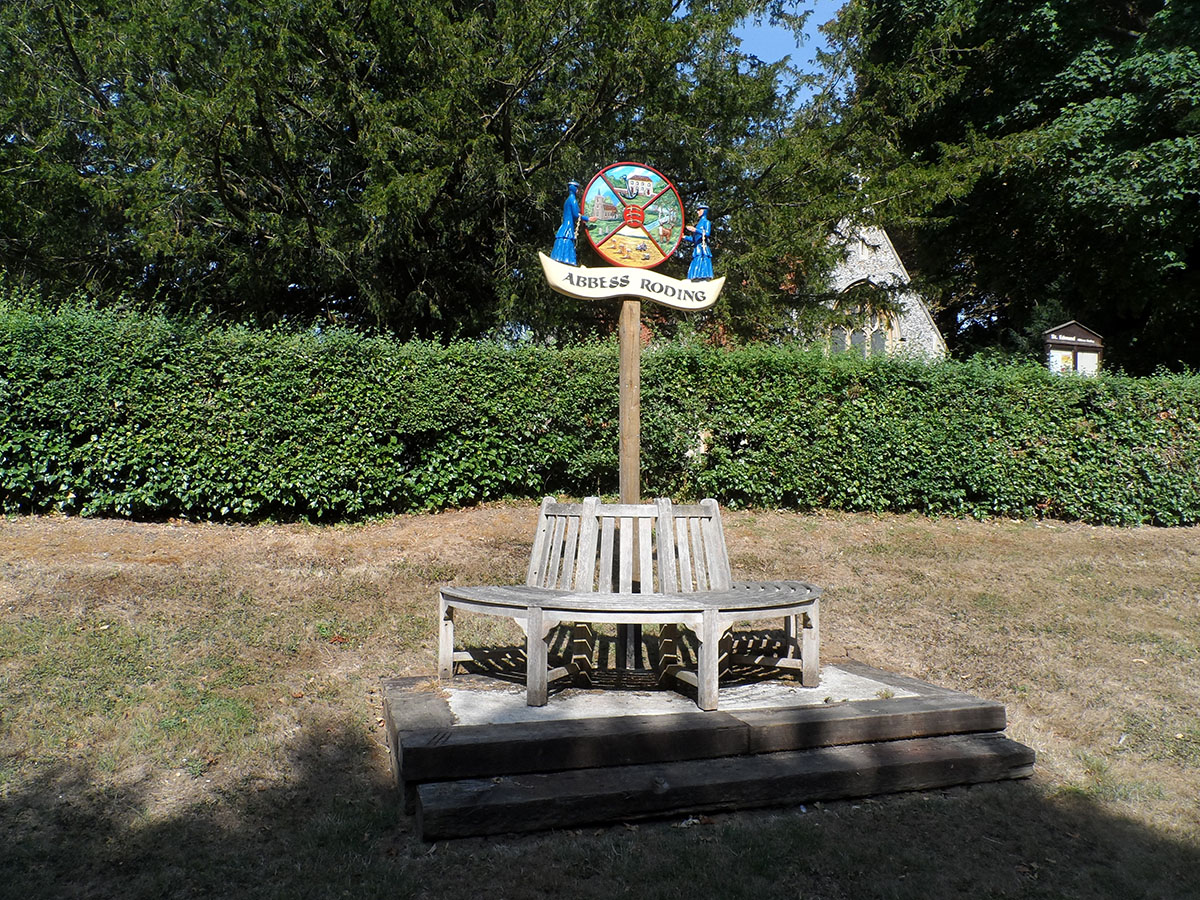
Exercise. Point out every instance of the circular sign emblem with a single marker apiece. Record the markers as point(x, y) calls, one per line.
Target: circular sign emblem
point(635, 216)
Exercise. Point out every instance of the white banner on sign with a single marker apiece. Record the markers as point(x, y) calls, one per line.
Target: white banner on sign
point(617, 281)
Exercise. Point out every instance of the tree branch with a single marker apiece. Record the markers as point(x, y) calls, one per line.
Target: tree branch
point(309, 215)
point(84, 79)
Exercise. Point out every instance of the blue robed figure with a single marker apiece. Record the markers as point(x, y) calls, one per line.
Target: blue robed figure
point(701, 267)
point(564, 238)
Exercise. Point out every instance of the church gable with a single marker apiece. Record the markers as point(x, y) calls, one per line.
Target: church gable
point(871, 260)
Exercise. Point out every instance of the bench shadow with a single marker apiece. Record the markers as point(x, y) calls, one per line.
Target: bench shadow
point(508, 663)
point(333, 827)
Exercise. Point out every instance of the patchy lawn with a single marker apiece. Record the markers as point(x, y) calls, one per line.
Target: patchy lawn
point(194, 710)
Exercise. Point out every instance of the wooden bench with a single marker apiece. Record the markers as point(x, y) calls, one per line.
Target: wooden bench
point(638, 564)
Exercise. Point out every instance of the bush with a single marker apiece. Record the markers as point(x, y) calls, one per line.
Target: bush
point(104, 413)
point(797, 430)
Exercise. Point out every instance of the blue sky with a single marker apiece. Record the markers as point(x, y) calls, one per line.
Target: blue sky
point(772, 44)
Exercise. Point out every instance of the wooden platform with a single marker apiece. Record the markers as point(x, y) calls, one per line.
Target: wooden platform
point(462, 779)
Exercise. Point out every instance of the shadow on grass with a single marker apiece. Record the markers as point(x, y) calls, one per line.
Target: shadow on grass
point(65, 837)
point(334, 829)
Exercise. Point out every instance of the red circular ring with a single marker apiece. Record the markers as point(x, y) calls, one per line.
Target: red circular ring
point(638, 209)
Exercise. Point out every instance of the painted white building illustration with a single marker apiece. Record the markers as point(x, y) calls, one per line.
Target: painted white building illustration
point(638, 185)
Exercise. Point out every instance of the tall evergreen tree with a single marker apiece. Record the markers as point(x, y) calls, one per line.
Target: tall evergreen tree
point(379, 161)
point(1042, 157)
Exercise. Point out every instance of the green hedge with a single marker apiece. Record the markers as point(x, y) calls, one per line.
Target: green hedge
point(110, 414)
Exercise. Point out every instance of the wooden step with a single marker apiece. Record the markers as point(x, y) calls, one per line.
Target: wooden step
point(866, 721)
point(448, 752)
point(465, 751)
point(536, 801)
point(563, 771)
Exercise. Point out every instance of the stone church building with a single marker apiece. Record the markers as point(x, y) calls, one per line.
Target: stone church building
point(871, 260)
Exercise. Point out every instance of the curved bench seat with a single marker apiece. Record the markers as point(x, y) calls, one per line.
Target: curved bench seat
point(639, 564)
point(745, 597)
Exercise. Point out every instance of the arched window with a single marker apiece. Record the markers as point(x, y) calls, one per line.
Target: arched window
point(872, 306)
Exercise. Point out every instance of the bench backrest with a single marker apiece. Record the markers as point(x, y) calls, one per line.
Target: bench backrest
point(629, 548)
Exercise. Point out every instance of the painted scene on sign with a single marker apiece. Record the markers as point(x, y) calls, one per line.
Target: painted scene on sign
point(635, 217)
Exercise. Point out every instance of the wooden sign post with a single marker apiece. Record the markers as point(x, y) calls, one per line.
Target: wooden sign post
point(629, 452)
point(630, 402)
point(634, 220)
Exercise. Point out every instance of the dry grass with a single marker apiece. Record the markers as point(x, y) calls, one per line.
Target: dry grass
point(193, 710)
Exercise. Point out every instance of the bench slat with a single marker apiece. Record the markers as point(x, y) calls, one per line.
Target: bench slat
point(540, 556)
point(645, 555)
point(569, 557)
point(626, 555)
point(699, 563)
point(608, 529)
point(667, 581)
point(720, 578)
point(556, 508)
point(558, 527)
point(684, 555)
point(585, 570)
